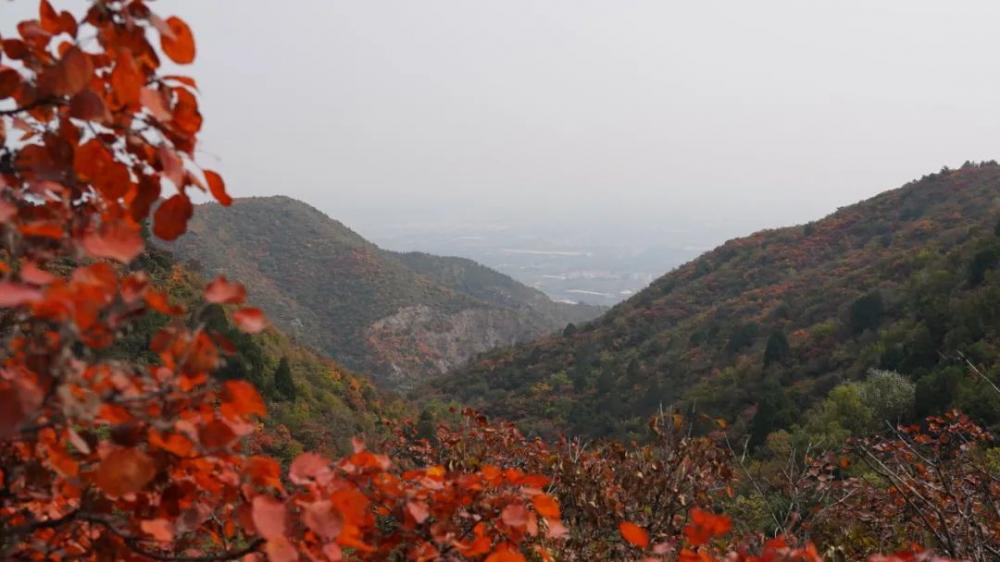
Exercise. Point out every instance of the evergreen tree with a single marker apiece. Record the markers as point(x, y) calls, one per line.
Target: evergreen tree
point(984, 260)
point(777, 348)
point(866, 312)
point(283, 382)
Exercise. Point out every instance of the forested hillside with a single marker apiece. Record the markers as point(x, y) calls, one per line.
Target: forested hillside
point(763, 327)
point(399, 317)
point(313, 403)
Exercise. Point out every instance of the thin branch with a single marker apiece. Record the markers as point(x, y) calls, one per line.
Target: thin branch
point(133, 543)
point(35, 104)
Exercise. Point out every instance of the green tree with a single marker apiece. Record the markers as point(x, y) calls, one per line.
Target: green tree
point(283, 382)
point(842, 414)
point(984, 260)
point(866, 312)
point(890, 396)
point(777, 348)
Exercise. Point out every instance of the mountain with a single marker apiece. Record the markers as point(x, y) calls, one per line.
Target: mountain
point(399, 317)
point(762, 327)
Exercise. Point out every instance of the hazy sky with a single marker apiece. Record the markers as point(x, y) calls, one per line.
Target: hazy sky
point(617, 111)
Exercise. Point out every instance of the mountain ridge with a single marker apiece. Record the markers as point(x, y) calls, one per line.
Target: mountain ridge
point(379, 312)
point(696, 336)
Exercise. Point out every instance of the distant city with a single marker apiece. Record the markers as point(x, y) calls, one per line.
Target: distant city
point(602, 268)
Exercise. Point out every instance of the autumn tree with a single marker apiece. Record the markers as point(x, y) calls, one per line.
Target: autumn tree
point(283, 382)
point(139, 457)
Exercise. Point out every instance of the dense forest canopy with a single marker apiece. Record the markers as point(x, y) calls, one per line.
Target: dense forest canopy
point(761, 329)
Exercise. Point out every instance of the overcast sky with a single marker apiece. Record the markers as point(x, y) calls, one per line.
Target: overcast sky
point(594, 112)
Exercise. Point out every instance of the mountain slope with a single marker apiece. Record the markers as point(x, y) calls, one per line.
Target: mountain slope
point(491, 286)
point(313, 403)
point(760, 327)
point(324, 284)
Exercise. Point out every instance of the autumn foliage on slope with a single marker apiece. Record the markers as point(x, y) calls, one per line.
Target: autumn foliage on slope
point(665, 500)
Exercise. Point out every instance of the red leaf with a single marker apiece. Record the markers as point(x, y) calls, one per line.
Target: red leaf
point(125, 471)
point(418, 511)
point(10, 81)
point(634, 534)
point(171, 217)
point(250, 320)
point(308, 466)
point(279, 549)
point(221, 291)
point(515, 515)
point(173, 166)
point(35, 275)
point(152, 100)
point(17, 294)
point(179, 43)
point(216, 434)
point(218, 188)
point(89, 106)
point(117, 241)
point(76, 69)
point(323, 519)
point(268, 517)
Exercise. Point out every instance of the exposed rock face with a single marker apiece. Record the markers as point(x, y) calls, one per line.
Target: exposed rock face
point(419, 340)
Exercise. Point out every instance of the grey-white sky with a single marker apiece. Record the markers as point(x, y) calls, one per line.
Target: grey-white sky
point(605, 113)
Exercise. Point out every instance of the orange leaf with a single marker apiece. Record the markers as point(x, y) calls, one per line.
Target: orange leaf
point(704, 526)
point(48, 17)
point(171, 217)
point(180, 47)
point(218, 188)
point(221, 291)
point(250, 320)
point(634, 534)
point(126, 80)
point(160, 529)
point(242, 398)
point(174, 443)
point(125, 471)
point(546, 506)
